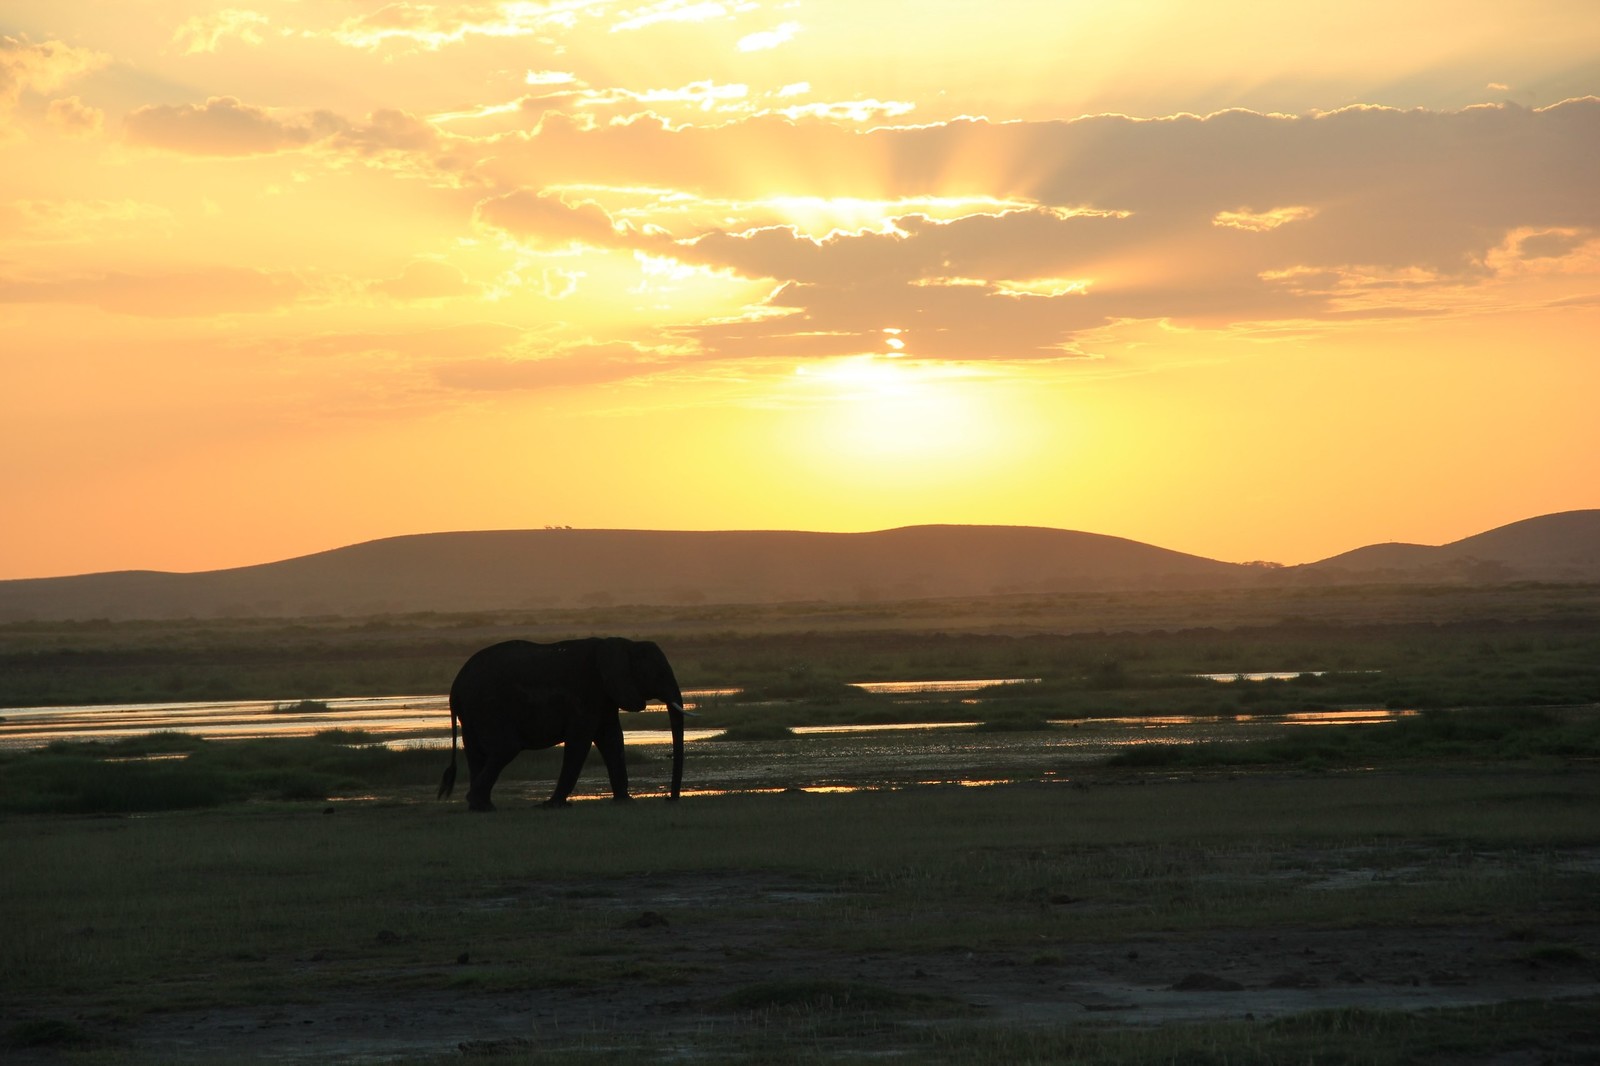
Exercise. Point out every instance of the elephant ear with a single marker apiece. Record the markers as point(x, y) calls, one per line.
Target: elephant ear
point(614, 661)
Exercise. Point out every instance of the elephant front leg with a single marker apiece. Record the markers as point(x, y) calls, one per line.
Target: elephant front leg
point(609, 741)
point(573, 753)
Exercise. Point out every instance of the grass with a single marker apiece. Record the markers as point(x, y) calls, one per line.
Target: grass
point(1411, 646)
point(801, 997)
point(1377, 1038)
point(395, 897)
point(174, 771)
point(1490, 734)
point(1532, 1031)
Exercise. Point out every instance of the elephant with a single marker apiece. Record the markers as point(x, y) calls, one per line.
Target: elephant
point(519, 695)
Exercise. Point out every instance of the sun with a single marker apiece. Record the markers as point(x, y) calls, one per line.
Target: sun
point(888, 411)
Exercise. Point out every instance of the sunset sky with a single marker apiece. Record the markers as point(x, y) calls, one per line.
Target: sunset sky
point(1244, 280)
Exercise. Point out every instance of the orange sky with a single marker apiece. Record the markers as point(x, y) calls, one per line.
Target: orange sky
point(282, 276)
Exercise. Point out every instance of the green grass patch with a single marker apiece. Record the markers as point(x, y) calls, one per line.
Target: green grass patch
point(174, 771)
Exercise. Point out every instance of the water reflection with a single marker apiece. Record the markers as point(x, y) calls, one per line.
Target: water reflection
point(1158, 721)
point(1270, 675)
point(823, 730)
point(907, 688)
point(1344, 717)
point(400, 720)
point(827, 790)
point(422, 721)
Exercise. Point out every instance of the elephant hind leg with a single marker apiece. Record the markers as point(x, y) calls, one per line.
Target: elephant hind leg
point(484, 775)
point(609, 741)
point(573, 754)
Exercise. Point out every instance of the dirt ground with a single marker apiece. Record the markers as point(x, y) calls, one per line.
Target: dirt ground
point(1144, 981)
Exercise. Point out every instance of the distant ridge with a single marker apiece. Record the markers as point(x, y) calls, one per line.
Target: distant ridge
point(1553, 547)
point(516, 569)
point(546, 568)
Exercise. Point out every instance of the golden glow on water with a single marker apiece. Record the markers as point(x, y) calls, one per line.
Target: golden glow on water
point(827, 730)
point(901, 688)
point(423, 720)
point(838, 759)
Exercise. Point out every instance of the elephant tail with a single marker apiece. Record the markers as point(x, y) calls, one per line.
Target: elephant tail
point(448, 783)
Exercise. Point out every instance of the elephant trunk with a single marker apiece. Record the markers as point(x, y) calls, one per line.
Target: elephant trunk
point(675, 720)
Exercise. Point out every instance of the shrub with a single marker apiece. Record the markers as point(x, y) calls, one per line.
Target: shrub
point(756, 731)
point(78, 784)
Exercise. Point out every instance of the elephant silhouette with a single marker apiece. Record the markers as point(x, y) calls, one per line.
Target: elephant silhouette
point(518, 695)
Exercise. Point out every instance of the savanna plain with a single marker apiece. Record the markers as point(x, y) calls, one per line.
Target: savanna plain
point(1422, 888)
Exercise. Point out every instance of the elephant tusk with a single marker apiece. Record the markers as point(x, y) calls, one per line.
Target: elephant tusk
point(681, 709)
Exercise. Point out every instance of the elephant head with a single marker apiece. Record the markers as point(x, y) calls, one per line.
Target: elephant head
point(634, 672)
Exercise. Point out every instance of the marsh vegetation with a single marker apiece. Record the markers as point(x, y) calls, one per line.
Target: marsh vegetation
point(1409, 646)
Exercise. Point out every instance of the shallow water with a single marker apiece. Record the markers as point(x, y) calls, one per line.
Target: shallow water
point(908, 688)
point(423, 720)
point(398, 720)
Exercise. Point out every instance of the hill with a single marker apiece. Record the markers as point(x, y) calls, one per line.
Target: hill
point(522, 569)
point(515, 569)
point(1554, 547)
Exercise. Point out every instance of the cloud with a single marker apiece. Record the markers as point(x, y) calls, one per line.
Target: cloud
point(1383, 183)
point(768, 39)
point(1015, 244)
point(1551, 244)
point(432, 26)
point(549, 77)
point(1017, 285)
point(1218, 220)
point(1205, 221)
point(188, 294)
point(547, 220)
point(221, 126)
point(1261, 221)
point(704, 95)
point(74, 118)
point(669, 11)
point(203, 33)
point(849, 110)
point(40, 68)
point(1374, 213)
point(385, 131)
